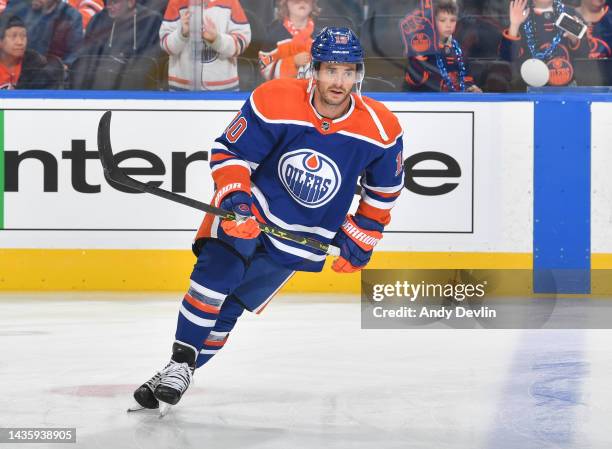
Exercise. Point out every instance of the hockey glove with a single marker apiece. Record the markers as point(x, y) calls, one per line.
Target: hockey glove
point(244, 226)
point(356, 239)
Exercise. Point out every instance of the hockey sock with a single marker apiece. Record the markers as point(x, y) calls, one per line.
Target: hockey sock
point(198, 314)
point(230, 311)
point(217, 272)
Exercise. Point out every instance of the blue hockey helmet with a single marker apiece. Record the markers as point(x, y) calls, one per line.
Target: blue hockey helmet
point(339, 45)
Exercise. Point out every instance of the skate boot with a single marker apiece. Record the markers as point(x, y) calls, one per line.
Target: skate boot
point(176, 376)
point(144, 394)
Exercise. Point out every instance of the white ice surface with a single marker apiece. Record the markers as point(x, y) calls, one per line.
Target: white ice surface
point(301, 375)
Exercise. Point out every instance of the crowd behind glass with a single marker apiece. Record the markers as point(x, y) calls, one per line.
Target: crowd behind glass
point(229, 45)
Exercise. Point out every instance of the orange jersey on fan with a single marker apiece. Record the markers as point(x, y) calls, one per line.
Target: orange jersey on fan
point(9, 77)
point(279, 62)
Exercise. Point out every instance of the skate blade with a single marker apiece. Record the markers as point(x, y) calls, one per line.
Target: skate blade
point(164, 409)
point(139, 408)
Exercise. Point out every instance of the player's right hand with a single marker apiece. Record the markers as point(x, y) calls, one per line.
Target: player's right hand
point(245, 225)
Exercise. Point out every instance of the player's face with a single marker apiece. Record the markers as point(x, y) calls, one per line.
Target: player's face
point(299, 9)
point(14, 42)
point(335, 82)
point(445, 24)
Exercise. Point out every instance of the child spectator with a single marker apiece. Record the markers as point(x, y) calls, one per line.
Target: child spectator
point(54, 28)
point(286, 50)
point(444, 70)
point(21, 68)
point(225, 34)
point(598, 17)
point(533, 34)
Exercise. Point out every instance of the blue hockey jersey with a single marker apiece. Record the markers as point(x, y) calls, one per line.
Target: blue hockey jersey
point(302, 168)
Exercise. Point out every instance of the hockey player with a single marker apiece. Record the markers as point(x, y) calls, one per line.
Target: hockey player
point(291, 157)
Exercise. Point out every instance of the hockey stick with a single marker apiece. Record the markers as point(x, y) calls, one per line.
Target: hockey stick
point(115, 176)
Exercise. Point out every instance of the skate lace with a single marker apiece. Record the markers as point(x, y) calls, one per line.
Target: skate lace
point(176, 375)
point(153, 381)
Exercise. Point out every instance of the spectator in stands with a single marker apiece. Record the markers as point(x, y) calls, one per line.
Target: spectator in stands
point(54, 27)
point(286, 50)
point(87, 9)
point(115, 41)
point(598, 16)
point(20, 67)
point(123, 29)
point(444, 70)
point(532, 34)
point(224, 35)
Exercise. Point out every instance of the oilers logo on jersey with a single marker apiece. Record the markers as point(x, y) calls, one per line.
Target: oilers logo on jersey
point(311, 178)
point(208, 54)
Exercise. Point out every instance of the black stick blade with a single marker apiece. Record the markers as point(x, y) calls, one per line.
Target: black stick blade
point(104, 144)
point(112, 173)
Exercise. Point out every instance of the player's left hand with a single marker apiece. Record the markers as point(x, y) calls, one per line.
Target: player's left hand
point(356, 239)
point(244, 226)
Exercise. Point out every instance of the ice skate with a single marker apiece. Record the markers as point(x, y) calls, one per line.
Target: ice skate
point(176, 377)
point(144, 395)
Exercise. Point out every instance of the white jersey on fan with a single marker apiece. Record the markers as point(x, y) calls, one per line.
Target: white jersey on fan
point(219, 69)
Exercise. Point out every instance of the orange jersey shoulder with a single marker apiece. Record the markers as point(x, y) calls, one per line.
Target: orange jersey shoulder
point(363, 123)
point(282, 99)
